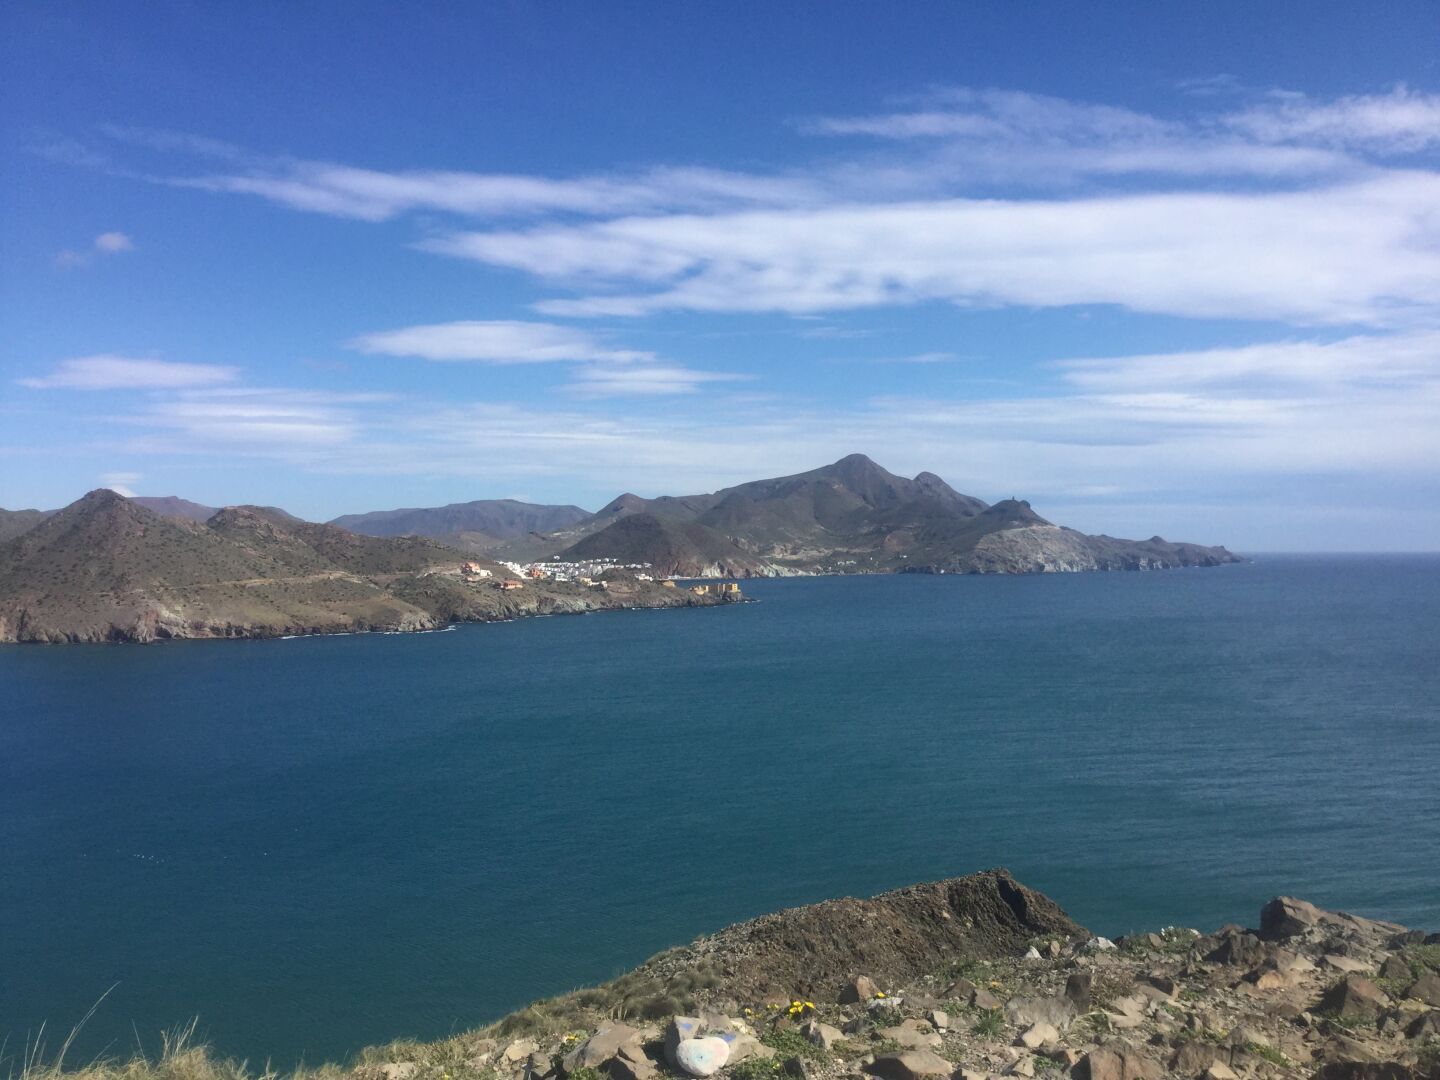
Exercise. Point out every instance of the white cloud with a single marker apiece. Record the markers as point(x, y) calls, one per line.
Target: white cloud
point(1400, 122)
point(643, 379)
point(121, 482)
point(498, 341)
point(105, 372)
point(1365, 252)
point(108, 243)
point(113, 242)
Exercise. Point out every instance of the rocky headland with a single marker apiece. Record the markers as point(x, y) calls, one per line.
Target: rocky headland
point(966, 979)
point(109, 569)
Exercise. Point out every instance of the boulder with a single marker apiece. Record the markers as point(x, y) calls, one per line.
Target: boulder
point(1117, 1060)
point(1038, 1035)
point(1353, 996)
point(984, 1000)
point(1058, 1012)
point(622, 1068)
point(1424, 1026)
point(1367, 1070)
point(600, 1048)
point(1396, 969)
point(939, 1019)
point(822, 1035)
point(910, 1065)
point(743, 1046)
point(1077, 989)
point(960, 990)
point(518, 1050)
point(1127, 1013)
point(1348, 964)
point(1237, 949)
point(1194, 1056)
point(910, 1037)
point(678, 1030)
point(1286, 917)
point(1426, 988)
point(702, 1057)
point(1219, 1071)
point(859, 989)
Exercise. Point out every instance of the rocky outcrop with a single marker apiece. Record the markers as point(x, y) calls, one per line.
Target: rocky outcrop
point(972, 978)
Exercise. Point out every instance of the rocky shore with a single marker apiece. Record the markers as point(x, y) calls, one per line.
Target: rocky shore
point(965, 979)
point(975, 978)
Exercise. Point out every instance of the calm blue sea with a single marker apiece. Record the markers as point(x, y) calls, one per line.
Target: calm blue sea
point(318, 844)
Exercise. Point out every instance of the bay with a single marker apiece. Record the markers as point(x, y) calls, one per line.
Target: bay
point(319, 844)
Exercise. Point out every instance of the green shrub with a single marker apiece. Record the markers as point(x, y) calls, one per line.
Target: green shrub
point(990, 1024)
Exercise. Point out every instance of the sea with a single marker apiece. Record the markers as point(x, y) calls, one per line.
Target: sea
point(317, 844)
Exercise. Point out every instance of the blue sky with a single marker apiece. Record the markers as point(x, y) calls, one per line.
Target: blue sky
point(1158, 268)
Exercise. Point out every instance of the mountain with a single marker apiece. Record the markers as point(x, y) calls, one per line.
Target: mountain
point(672, 548)
point(15, 522)
point(107, 568)
point(174, 506)
point(472, 526)
point(849, 517)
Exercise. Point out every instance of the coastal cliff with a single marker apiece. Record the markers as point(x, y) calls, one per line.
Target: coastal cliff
point(964, 979)
point(106, 569)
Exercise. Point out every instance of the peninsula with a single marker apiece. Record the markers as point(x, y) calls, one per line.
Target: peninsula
point(108, 569)
point(848, 517)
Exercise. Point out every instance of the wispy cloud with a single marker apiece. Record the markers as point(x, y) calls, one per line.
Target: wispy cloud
point(346, 190)
point(601, 370)
point(646, 379)
point(106, 372)
point(494, 341)
point(1403, 121)
point(1365, 252)
point(107, 243)
point(294, 425)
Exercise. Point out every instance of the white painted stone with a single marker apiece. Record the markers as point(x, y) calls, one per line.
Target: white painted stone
point(702, 1057)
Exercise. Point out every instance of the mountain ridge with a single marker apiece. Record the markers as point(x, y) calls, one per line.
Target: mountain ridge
point(854, 516)
point(108, 569)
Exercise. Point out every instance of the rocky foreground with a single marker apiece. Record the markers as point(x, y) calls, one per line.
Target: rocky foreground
point(979, 977)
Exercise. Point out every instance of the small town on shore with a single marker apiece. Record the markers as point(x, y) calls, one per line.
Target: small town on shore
point(592, 574)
